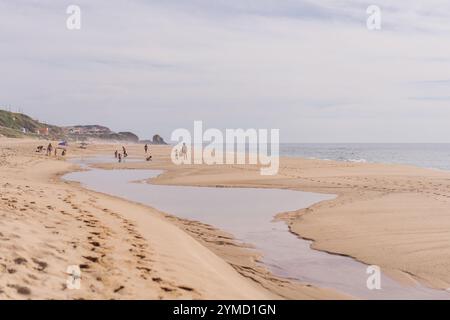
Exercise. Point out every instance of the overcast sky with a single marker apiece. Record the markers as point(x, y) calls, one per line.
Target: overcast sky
point(310, 68)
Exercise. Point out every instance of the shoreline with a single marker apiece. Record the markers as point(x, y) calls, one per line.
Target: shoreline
point(242, 256)
point(365, 193)
point(362, 160)
point(285, 255)
point(125, 250)
point(378, 217)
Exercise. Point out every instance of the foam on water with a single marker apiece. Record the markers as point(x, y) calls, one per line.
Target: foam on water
point(425, 155)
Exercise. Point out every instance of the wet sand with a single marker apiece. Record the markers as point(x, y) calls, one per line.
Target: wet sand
point(247, 214)
point(393, 216)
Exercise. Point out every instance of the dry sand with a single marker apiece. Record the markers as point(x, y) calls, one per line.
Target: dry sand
point(125, 250)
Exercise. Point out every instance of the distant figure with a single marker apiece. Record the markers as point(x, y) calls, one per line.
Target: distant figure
point(184, 151)
point(149, 158)
point(120, 157)
point(49, 149)
point(39, 148)
point(146, 148)
point(125, 154)
point(116, 154)
point(56, 152)
point(63, 152)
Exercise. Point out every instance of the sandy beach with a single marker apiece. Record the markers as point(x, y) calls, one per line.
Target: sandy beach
point(389, 215)
point(125, 250)
point(394, 216)
point(225, 150)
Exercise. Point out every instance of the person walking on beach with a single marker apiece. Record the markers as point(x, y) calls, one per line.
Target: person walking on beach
point(125, 154)
point(146, 148)
point(184, 151)
point(116, 154)
point(49, 149)
point(120, 157)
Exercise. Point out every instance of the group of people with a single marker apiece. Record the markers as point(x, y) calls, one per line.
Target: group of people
point(50, 149)
point(121, 156)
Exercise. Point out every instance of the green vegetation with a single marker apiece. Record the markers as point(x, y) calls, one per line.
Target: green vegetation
point(10, 133)
point(18, 121)
point(12, 124)
point(16, 125)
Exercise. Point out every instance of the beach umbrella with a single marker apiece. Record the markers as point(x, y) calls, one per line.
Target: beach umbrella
point(62, 145)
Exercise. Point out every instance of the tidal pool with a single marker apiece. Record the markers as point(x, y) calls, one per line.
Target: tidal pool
point(247, 213)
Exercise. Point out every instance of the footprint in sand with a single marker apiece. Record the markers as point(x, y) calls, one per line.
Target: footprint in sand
point(20, 261)
point(92, 259)
point(41, 264)
point(23, 290)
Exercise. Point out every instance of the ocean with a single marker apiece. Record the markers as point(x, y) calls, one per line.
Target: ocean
point(426, 155)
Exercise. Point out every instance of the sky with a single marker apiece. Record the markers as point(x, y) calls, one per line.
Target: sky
point(309, 68)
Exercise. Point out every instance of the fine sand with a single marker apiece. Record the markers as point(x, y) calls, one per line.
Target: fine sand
point(125, 250)
point(397, 217)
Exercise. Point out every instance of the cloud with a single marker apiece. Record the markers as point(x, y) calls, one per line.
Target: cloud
point(153, 66)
